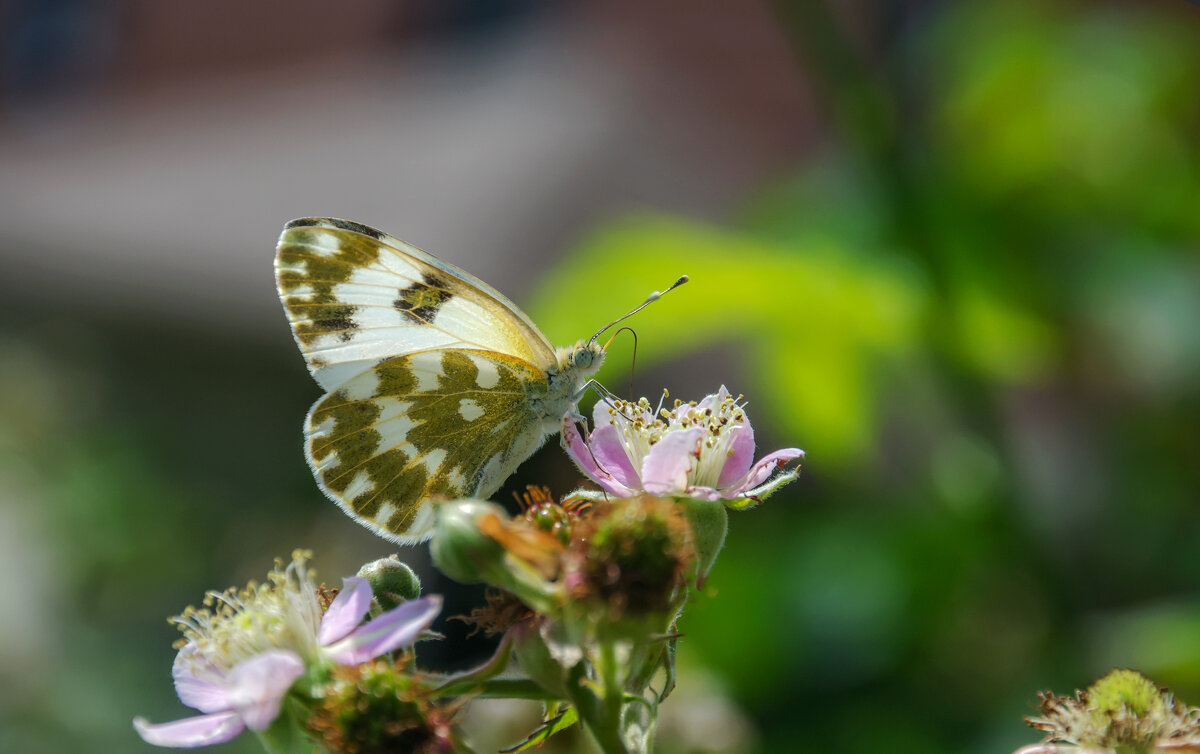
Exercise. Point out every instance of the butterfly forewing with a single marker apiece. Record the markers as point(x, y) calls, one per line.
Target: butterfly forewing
point(355, 296)
point(427, 425)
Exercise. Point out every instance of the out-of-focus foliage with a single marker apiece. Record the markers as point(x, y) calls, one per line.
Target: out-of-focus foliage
point(1067, 115)
point(978, 311)
point(983, 327)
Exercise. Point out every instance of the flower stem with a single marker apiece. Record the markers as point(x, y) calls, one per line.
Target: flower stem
point(593, 711)
point(610, 679)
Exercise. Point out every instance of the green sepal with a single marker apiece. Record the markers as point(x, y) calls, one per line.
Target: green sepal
point(471, 680)
point(554, 724)
point(537, 660)
point(287, 733)
point(761, 493)
point(709, 522)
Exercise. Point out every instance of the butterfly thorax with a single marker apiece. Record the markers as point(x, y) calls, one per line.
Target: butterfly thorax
point(574, 366)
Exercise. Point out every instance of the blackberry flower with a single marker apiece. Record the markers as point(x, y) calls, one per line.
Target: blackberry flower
point(702, 450)
point(245, 648)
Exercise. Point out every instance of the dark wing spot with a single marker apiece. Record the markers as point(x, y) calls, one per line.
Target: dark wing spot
point(338, 320)
point(421, 300)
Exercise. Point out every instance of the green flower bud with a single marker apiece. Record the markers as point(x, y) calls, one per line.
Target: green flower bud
point(464, 552)
point(392, 581)
point(459, 549)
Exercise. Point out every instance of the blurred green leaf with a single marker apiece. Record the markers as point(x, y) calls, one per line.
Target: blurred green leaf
point(1082, 112)
point(812, 323)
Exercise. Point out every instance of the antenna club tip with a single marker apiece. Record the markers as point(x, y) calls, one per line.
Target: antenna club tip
point(682, 279)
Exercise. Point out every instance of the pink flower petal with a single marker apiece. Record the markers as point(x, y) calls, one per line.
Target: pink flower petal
point(712, 400)
point(703, 493)
point(610, 454)
point(578, 450)
point(742, 445)
point(762, 471)
point(396, 628)
point(198, 684)
point(581, 454)
point(257, 686)
point(347, 611)
point(202, 730)
point(665, 469)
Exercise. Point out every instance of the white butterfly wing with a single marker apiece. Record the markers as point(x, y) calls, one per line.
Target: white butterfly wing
point(355, 296)
point(411, 429)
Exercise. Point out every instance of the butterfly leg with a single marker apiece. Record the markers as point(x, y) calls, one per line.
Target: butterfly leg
point(609, 395)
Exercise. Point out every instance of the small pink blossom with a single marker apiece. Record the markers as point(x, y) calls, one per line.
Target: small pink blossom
point(242, 656)
point(699, 450)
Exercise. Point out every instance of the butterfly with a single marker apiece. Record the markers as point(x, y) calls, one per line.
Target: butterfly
point(437, 386)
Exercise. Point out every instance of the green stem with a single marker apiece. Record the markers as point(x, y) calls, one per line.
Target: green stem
point(594, 711)
point(611, 686)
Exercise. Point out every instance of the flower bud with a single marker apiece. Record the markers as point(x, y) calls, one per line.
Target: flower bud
point(391, 580)
point(459, 549)
point(469, 545)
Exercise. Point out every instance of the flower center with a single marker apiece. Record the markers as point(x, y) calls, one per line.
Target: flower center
point(640, 429)
point(237, 624)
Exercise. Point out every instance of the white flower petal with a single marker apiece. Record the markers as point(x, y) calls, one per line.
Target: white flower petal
point(258, 685)
point(190, 732)
point(197, 682)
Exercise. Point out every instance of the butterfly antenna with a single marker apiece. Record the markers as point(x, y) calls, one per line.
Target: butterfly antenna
point(633, 361)
point(655, 296)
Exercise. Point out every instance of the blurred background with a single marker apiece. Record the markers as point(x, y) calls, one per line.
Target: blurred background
point(949, 249)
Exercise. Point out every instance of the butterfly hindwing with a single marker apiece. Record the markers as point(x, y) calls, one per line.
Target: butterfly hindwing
point(443, 423)
point(355, 295)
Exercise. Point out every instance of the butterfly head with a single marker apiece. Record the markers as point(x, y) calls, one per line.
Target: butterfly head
point(582, 359)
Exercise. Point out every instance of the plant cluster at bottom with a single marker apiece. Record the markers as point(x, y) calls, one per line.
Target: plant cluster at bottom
point(586, 593)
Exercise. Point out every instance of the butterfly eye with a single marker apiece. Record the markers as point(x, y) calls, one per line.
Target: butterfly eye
point(583, 357)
